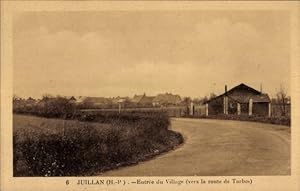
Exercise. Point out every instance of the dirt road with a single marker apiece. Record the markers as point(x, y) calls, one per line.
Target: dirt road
point(223, 148)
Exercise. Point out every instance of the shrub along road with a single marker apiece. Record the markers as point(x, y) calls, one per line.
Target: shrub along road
point(218, 147)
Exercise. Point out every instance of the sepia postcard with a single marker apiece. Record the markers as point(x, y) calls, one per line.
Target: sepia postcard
point(150, 95)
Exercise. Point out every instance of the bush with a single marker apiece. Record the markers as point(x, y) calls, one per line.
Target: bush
point(84, 150)
point(150, 121)
point(57, 107)
point(58, 155)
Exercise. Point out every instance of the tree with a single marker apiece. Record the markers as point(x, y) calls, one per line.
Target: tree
point(212, 95)
point(15, 97)
point(206, 98)
point(47, 96)
point(203, 100)
point(197, 101)
point(282, 100)
point(187, 101)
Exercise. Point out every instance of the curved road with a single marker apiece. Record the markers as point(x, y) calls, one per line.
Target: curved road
point(222, 148)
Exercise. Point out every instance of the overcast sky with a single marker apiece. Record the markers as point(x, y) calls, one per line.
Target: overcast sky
point(191, 53)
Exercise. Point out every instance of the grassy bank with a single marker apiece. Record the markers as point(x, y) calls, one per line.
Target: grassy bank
point(283, 120)
point(92, 144)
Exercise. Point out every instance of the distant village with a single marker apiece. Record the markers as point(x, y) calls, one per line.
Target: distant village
point(160, 100)
point(239, 100)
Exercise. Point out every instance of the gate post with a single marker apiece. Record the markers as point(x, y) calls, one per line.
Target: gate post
point(225, 105)
point(192, 109)
point(238, 108)
point(250, 106)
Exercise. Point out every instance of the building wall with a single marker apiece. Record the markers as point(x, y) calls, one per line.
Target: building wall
point(232, 106)
point(261, 109)
point(215, 107)
point(245, 108)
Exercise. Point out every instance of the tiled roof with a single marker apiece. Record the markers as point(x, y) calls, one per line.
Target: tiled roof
point(147, 99)
point(245, 98)
point(256, 96)
point(167, 98)
point(137, 98)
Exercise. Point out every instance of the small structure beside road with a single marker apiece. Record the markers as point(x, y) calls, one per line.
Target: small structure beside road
point(239, 100)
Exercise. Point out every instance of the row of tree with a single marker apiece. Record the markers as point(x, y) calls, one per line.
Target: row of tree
point(58, 107)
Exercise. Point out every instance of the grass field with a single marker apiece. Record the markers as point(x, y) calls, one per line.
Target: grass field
point(33, 126)
point(57, 147)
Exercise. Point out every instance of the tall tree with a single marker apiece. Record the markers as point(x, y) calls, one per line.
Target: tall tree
point(282, 100)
